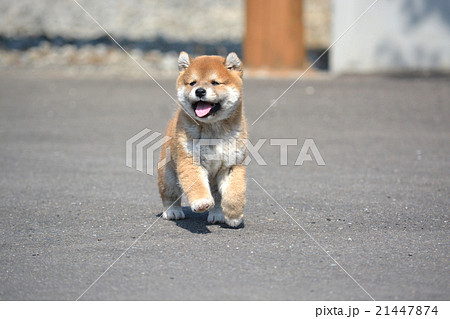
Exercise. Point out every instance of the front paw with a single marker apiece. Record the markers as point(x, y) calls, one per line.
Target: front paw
point(202, 205)
point(173, 213)
point(233, 222)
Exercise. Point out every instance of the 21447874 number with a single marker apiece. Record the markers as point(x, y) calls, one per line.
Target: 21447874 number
point(407, 310)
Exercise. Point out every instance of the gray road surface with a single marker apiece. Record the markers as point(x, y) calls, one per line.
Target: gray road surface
point(69, 207)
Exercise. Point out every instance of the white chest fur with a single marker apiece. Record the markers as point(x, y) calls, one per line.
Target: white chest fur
point(216, 150)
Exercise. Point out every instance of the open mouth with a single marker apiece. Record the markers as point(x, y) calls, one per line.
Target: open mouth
point(205, 109)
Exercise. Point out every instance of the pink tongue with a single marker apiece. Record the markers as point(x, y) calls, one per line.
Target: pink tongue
point(202, 108)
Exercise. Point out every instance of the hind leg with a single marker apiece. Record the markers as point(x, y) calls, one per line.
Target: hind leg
point(215, 215)
point(170, 192)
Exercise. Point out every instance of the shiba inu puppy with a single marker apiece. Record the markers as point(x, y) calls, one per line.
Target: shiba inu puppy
point(206, 150)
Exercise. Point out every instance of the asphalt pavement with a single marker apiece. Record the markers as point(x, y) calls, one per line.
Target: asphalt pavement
point(373, 222)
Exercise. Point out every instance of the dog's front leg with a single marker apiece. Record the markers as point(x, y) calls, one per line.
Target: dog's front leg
point(232, 188)
point(194, 181)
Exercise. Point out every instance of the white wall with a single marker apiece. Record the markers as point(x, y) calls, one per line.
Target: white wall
point(175, 20)
point(394, 35)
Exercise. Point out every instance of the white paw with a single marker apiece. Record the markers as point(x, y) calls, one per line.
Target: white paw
point(202, 205)
point(215, 216)
point(173, 213)
point(233, 222)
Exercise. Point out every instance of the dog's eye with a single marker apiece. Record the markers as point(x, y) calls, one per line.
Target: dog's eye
point(214, 83)
point(192, 83)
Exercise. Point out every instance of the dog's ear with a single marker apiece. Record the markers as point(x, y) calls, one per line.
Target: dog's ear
point(183, 61)
point(232, 62)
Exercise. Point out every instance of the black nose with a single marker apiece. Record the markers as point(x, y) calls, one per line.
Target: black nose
point(200, 92)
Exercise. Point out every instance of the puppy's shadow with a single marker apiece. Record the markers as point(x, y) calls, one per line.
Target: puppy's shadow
point(196, 223)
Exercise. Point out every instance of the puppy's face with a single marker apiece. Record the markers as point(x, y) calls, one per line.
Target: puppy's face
point(209, 88)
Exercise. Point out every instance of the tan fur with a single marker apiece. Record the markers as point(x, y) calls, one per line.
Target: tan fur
point(216, 186)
